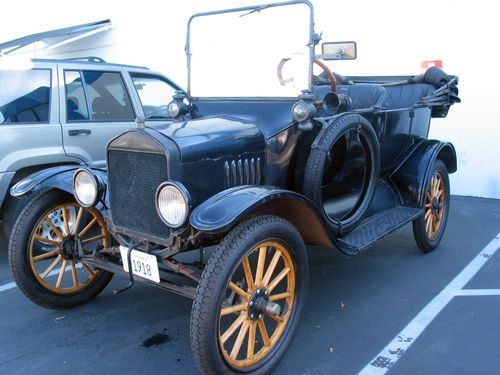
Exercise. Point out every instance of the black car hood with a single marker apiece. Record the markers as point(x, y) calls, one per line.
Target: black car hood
point(213, 137)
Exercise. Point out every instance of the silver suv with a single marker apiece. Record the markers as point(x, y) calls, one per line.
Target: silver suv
point(58, 112)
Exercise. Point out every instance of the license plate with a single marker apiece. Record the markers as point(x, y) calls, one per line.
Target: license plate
point(143, 264)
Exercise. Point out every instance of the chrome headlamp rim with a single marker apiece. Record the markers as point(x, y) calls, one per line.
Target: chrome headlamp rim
point(303, 111)
point(186, 197)
point(98, 186)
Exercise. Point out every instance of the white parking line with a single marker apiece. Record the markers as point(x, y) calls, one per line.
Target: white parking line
point(383, 361)
point(477, 292)
point(12, 285)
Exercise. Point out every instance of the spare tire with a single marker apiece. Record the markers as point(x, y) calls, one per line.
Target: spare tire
point(323, 153)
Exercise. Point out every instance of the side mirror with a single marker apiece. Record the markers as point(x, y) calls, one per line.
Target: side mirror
point(338, 51)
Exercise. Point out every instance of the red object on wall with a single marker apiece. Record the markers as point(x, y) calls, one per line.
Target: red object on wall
point(424, 65)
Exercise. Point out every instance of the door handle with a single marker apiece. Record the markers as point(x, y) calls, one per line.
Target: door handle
point(79, 131)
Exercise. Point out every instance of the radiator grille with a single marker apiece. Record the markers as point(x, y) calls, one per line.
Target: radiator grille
point(133, 180)
point(242, 172)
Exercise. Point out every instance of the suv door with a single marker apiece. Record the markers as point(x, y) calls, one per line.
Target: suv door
point(95, 107)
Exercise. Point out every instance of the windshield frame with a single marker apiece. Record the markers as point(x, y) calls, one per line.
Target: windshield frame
point(313, 39)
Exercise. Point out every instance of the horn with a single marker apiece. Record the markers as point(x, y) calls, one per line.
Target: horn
point(334, 103)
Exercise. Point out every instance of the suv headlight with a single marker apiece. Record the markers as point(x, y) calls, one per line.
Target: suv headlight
point(86, 188)
point(172, 204)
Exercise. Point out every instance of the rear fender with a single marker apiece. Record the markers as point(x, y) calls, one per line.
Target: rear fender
point(223, 211)
point(414, 174)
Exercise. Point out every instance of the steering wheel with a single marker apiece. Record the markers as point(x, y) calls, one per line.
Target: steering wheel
point(328, 73)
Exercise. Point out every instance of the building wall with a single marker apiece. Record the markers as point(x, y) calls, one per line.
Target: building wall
point(393, 38)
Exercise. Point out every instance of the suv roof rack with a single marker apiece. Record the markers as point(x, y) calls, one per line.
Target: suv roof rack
point(87, 58)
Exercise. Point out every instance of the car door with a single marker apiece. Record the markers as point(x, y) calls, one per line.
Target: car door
point(95, 107)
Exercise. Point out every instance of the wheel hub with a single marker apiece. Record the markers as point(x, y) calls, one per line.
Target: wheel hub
point(259, 304)
point(69, 247)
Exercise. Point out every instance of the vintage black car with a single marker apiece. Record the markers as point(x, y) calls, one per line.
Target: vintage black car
point(276, 159)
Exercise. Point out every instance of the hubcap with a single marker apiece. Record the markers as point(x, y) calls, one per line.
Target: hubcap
point(434, 207)
point(57, 233)
point(258, 304)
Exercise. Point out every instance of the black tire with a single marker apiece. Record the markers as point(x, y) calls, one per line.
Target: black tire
point(40, 203)
point(204, 329)
point(12, 209)
point(425, 241)
point(315, 168)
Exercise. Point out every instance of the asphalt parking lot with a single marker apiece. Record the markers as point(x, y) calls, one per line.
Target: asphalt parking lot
point(356, 308)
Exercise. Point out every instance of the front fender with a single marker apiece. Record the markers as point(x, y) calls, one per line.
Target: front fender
point(224, 210)
point(414, 174)
point(57, 178)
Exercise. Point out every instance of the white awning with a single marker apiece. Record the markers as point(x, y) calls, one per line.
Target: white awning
point(64, 36)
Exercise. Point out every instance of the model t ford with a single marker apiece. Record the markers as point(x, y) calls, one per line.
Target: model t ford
point(258, 163)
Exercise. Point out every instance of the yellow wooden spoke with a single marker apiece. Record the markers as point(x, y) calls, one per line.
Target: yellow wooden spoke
point(248, 274)
point(427, 214)
point(47, 241)
point(271, 268)
point(260, 266)
point(273, 284)
point(235, 288)
point(77, 221)
point(65, 219)
point(233, 309)
point(251, 340)
point(233, 327)
point(239, 339)
point(74, 274)
point(263, 332)
point(51, 267)
point(54, 228)
point(92, 239)
point(277, 297)
point(43, 256)
point(61, 273)
point(87, 268)
point(88, 227)
point(278, 318)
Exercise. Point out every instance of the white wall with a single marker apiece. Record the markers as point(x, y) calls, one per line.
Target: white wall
point(393, 38)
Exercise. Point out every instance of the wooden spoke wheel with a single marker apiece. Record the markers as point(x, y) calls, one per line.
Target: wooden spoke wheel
point(52, 242)
point(44, 251)
point(257, 309)
point(434, 206)
point(249, 298)
point(428, 229)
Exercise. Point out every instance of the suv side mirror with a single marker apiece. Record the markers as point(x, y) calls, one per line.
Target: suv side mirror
point(338, 51)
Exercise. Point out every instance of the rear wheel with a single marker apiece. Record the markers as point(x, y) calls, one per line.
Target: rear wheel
point(249, 299)
point(428, 229)
point(41, 254)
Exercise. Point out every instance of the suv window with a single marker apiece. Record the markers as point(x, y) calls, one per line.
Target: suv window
point(24, 96)
point(94, 95)
point(154, 93)
point(76, 103)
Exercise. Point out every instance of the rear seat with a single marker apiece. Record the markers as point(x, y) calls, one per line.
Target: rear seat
point(407, 95)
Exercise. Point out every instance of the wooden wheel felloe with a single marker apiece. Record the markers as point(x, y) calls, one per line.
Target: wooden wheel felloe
point(434, 206)
point(46, 250)
point(258, 306)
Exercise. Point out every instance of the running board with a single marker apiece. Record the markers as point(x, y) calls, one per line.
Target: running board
point(374, 228)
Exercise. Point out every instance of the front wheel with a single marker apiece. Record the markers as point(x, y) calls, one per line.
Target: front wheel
point(428, 229)
point(41, 256)
point(249, 299)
